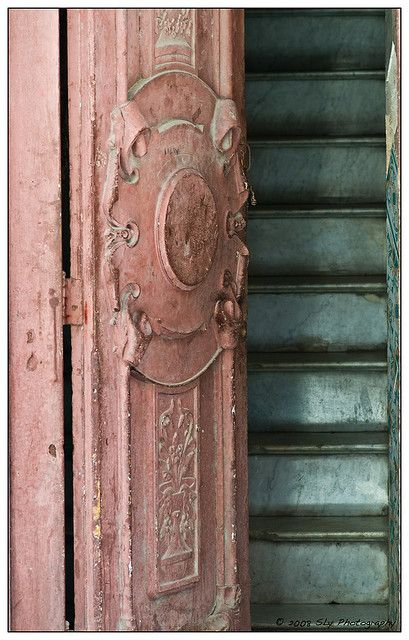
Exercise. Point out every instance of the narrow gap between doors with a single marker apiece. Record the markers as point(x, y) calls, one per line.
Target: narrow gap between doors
point(66, 249)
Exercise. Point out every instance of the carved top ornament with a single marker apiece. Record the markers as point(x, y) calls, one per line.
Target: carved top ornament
point(176, 231)
point(175, 23)
point(174, 37)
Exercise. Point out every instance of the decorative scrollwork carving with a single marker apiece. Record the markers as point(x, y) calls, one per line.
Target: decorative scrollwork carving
point(138, 336)
point(245, 163)
point(229, 320)
point(134, 326)
point(235, 223)
point(225, 128)
point(117, 234)
point(126, 144)
point(224, 613)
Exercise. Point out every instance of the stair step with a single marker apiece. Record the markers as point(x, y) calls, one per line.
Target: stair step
point(316, 211)
point(297, 12)
point(319, 572)
point(291, 443)
point(349, 74)
point(319, 529)
point(318, 170)
point(318, 284)
point(318, 246)
point(322, 39)
point(320, 617)
point(307, 321)
point(320, 399)
point(309, 104)
point(315, 141)
point(351, 361)
point(308, 484)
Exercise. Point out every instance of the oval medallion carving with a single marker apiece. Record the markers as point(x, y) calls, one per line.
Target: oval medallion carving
point(188, 229)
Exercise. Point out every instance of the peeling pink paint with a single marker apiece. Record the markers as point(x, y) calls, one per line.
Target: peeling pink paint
point(35, 326)
point(162, 341)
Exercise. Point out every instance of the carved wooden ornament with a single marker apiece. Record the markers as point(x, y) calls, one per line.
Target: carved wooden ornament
point(176, 143)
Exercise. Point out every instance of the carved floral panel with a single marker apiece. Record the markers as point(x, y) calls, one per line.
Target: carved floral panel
point(177, 490)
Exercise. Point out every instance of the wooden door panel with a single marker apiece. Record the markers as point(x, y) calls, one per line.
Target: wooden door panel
point(35, 325)
point(160, 251)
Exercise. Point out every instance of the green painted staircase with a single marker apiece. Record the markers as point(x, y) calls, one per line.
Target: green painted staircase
point(318, 444)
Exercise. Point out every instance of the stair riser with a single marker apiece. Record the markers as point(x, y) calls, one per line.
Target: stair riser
point(318, 572)
point(316, 485)
point(310, 400)
point(318, 173)
point(326, 529)
point(315, 107)
point(299, 246)
point(319, 443)
point(316, 322)
point(289, 42)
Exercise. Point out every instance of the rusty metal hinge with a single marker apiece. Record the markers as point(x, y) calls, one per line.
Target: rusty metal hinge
point(72, 301)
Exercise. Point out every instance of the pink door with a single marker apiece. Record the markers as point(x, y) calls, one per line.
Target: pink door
point(156, 303)
point(156, 131)
point(36, 516)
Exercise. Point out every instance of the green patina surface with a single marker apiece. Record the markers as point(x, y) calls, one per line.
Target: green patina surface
point(393, 287)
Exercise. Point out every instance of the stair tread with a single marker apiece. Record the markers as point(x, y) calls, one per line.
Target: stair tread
point(369, 360)
point(317, 283)
point(329, 528)
point(314, 38)
point(349, 74)
point(286, 616)
point(296, 11)
point(317, 210)
point(318, 170)
point(287, 442)
point(312, 141)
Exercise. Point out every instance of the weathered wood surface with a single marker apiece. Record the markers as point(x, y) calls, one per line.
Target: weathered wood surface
point(136, 384)
point(35, 325)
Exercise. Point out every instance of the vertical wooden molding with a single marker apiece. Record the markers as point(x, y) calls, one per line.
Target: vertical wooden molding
point(227, 44)
point(133, 46)
point(124, 517)
point(121, 21)
point(124, 507)
point(35, 319)
point(86, 436)
point(146, 17)
point(231, 85)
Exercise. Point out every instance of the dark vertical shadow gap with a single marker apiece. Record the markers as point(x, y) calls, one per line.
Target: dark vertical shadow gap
point(66, 249)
